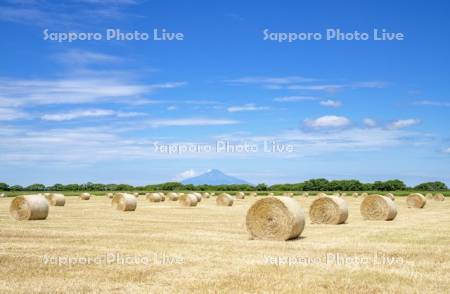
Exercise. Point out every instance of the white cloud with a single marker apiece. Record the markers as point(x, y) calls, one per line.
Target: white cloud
point(271, 80)
point(8, 114)
point(246, 107)
point(88, 113)
point(330, 103)
point(77, 90)
point(403, 123)
point(186, 175)
point(171, 108)
point(190, 122)
point(368, 122)
point(328, 121)
point(80, 57)
point(295, 98)
point(433, 103)
point(447, 150)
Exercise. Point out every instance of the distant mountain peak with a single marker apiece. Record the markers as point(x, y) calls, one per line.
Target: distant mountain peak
point(213, 177)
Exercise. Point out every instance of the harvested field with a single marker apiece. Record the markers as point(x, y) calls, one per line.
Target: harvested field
point(206, 249)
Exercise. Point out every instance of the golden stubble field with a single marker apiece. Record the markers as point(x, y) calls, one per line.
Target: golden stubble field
point(87, 247)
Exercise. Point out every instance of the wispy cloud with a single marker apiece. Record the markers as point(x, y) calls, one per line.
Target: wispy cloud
point(247, 107)
point(302, 83)
point(271, 80)
point(369, 122)
point(76, 90)
point(9, 114)
point(403, 123)
point(186, 122)
point(295, 98)
point(328, 121)
point(331, 103)
point(433, 103)
point(82, 57)
point(88, 113)
point(447, 151)
point(186, 175)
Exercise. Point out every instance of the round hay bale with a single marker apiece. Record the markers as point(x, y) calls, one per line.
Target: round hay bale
point(321, 194)
point(124, 202)
point(364, 194)
point(305, 194)
point(225, 200)
point(206, 195)
point(328, 210)
point(429, 196)
point(163, 197)
point(344, 194)
point(188, 200)
point(416, 200)
point(253, 194)
point(85, 196)
point(153, 197)
point(439, 197)
point(275, 218)
point(29, 207)
point(390, 196)
point(377, 207)
point(2, 195)
point(355, 195)
point(110, 195)
point(56, 199)
point(289, 194)
point(240, 195)
point(198, 195)
point(173, 196)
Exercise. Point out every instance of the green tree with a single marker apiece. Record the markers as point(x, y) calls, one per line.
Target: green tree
point(432, 186)
point(4, 187)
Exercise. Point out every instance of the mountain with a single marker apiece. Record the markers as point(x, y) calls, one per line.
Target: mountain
point(213, 177)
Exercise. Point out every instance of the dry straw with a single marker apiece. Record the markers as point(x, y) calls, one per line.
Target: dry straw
point(188, 200)
point(439, 197)
point(355, 195)
point(240, 195)
point(173, 196)
point(275, 218)
point(328, 210)
point(253, 194)
point(206, 195)
point(364, 194)
point(390, 196)
point(163, 197)
point(225, 200)
point(29, 207)
point(85, 196)
point(377, 207)
point(429, 196)
point(56, 199)
point(124, 202)
point(110, 195)
point(305, 194)
point(416, 200)
point(154, 197)
point(289, 194)
point(2, 195)
point(198, 195)
point(321, 194)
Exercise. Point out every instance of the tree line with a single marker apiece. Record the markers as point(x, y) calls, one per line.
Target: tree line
point(309, 185)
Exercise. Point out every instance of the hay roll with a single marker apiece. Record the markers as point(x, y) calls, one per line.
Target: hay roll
point(188, 200)
point(198, 195)
point(206, 195)
point(364, 194)
point(124, 202)
point(225, 200)
point(439, 197)
point(163, 197)
point(416, 200)
point(390, 196)
point(275, 218)
point(29, 207)
point(2, 195)
point(154, 197)
point(429, 196)
point(240, 195)
point(355, 195)
point(253, 194)
point(110, 195)
point(328, 210)
point(377, 207)
point(85, 196)
point(56, 199)
point(173, 196)
point(305, 194)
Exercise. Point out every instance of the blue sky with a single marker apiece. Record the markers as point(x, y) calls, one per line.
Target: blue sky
point(93, 110)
